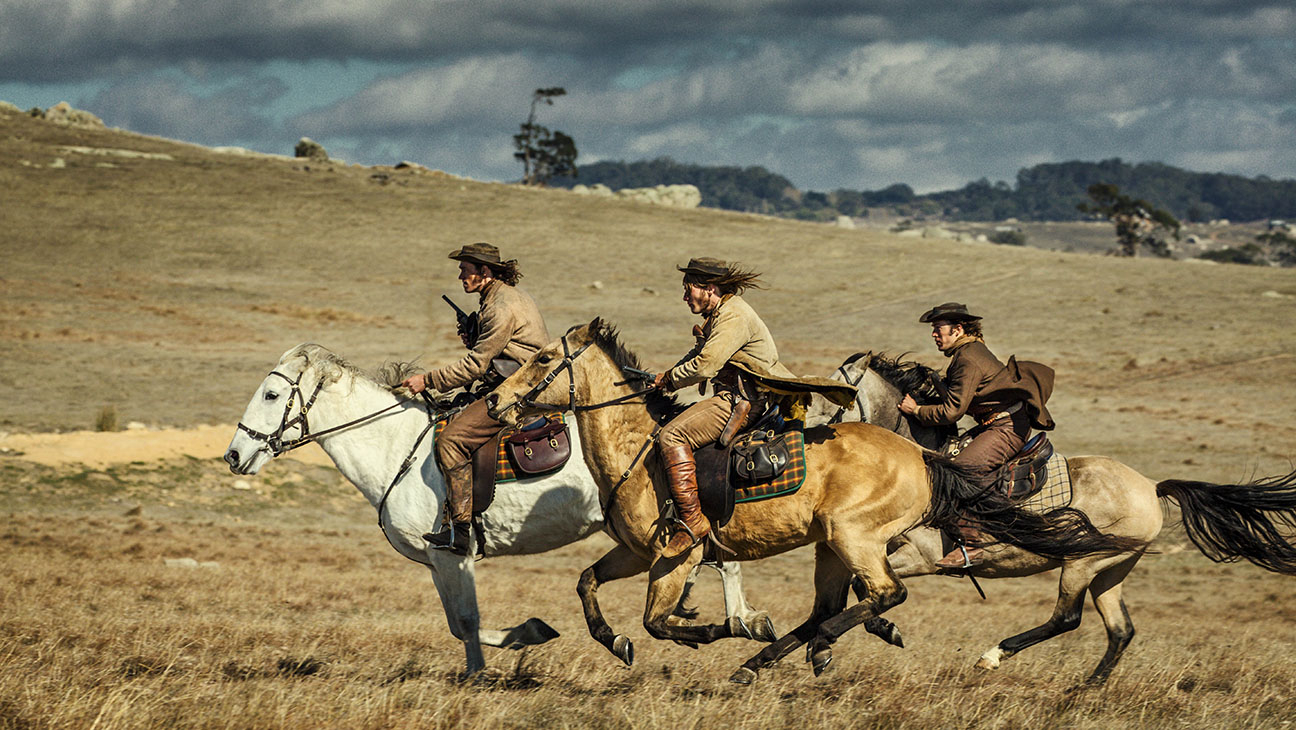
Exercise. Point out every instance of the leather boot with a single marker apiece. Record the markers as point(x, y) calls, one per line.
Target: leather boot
point(692, 526)
point(456, 537)
point(964, 555)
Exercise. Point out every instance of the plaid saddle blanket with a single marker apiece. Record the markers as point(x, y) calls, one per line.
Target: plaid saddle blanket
point(786, 482)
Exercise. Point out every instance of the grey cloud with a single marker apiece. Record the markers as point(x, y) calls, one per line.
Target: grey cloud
point(163, 106)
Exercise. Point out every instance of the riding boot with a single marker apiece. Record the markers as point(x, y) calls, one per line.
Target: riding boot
point(966, 553)
point(692, 526)
point(456, 536)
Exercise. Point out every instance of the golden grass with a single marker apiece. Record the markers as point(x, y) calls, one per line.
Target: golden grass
point(166, 289)
point(307, 619)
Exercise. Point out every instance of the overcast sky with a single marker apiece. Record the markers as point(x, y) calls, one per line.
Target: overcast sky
point(831, 94)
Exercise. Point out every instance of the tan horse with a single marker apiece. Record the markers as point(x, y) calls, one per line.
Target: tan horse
point(1226, 522)
point(864, 487)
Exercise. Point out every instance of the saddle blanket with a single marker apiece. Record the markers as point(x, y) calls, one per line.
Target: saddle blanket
point(789, 481)
point(504, 471)
point(1056, 492)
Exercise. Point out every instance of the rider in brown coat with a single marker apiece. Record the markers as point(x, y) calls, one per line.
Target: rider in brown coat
point(510, 328)
point(978, 384)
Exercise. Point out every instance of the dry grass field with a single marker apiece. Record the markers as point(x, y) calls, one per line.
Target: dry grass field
point(166, 288)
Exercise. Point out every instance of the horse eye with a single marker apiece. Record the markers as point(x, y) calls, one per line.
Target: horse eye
point(545, 359)
point(270, 395)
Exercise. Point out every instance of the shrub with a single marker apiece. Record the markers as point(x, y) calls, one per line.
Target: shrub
point(1008, 238)
point(107, 419)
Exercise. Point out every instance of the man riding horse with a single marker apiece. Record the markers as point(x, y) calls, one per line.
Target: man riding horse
point(510, 329)
point(976, 383)
point(731, 331)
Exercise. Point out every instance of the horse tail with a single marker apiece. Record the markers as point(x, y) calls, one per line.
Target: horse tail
point(1230, 522)
point(1060, 534)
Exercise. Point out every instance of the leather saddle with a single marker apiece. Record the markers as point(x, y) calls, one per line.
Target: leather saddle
point(754, 454)
point(538, 448)
point(1026, 472)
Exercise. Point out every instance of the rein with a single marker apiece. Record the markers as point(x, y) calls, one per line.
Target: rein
point(277, 447)
point(274, 441)
point(569, 357)
point(841, 410)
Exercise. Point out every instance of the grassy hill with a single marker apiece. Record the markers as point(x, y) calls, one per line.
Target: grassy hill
point(166, 285)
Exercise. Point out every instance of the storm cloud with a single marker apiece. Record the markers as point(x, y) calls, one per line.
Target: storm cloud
point(831, 94)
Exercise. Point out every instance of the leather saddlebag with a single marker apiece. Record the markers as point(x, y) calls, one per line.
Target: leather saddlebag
point(759, 457)
point(540, 450)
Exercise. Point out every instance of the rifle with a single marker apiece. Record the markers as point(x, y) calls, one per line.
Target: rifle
point(468, 326)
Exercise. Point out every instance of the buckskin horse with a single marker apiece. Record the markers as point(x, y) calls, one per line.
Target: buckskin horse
point(367, 430)
point(1226, 522)
point(864, 487)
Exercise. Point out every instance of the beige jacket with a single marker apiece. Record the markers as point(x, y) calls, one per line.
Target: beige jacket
point(511, 327)
point(733, 329)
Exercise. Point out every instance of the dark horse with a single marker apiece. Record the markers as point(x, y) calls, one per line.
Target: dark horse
point(1227, 522)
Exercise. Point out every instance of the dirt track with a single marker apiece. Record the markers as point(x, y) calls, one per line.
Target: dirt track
point(102, 449)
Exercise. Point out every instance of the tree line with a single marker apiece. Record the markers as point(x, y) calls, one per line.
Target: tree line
point(1051, 191)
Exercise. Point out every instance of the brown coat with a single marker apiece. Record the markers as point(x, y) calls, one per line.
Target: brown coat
point(511, 327)
point(978, 384)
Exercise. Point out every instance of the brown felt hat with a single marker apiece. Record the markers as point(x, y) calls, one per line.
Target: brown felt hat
point(708, 268)
point(948, 312)
point(477, 253)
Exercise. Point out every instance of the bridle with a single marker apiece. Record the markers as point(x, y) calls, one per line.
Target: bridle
point(274, 442)
point(276, 445)
point(528, 398)
point(841, 410)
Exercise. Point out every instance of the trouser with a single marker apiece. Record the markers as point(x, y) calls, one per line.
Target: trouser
point(993, 445)
point(463, 434)
point(700, 424)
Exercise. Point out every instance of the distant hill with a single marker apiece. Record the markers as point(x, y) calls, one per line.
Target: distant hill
point(1043, 192)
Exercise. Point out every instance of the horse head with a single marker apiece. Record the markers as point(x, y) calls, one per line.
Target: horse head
point(279, 408)
point(548, 381)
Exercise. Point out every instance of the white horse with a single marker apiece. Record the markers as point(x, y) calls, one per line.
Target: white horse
point(528, 516)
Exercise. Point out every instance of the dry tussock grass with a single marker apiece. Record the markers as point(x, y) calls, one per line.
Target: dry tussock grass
point(309, 620)
point(168, 288)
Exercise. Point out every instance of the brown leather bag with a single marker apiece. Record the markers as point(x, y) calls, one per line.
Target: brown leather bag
point(540, 450)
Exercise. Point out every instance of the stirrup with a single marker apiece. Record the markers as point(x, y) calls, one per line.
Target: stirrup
point(967, 561)
point(452, 538)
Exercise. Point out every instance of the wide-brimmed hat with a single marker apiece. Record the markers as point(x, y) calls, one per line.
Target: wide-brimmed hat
point(948, 312)
point(478, 253)
point(707, 268)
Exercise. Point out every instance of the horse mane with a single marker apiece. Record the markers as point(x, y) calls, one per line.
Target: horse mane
point(388, 375)
point(605, 335)
point(906, 375)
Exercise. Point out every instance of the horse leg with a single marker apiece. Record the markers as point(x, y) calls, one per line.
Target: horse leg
point(619, 562)
point(832, 579)
point(1106, 593)
point(743, 620)
point(907, 560)
point(666, 581)
point(884, 591)
point(1075, 579)
point(457, 586)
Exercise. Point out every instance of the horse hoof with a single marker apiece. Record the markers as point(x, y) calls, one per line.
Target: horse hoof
point(763, 628)
point(540, 632)
point(894, 638)
point(623, 649)
point(743, 676)
point(820, 661)
point(986, 664)
point(990, 659)
point(739, 628)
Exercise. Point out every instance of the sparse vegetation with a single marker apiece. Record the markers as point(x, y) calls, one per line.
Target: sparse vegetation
point(544, 153)
point(1139, 224)
point(1008, 238)
point(107, 419)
